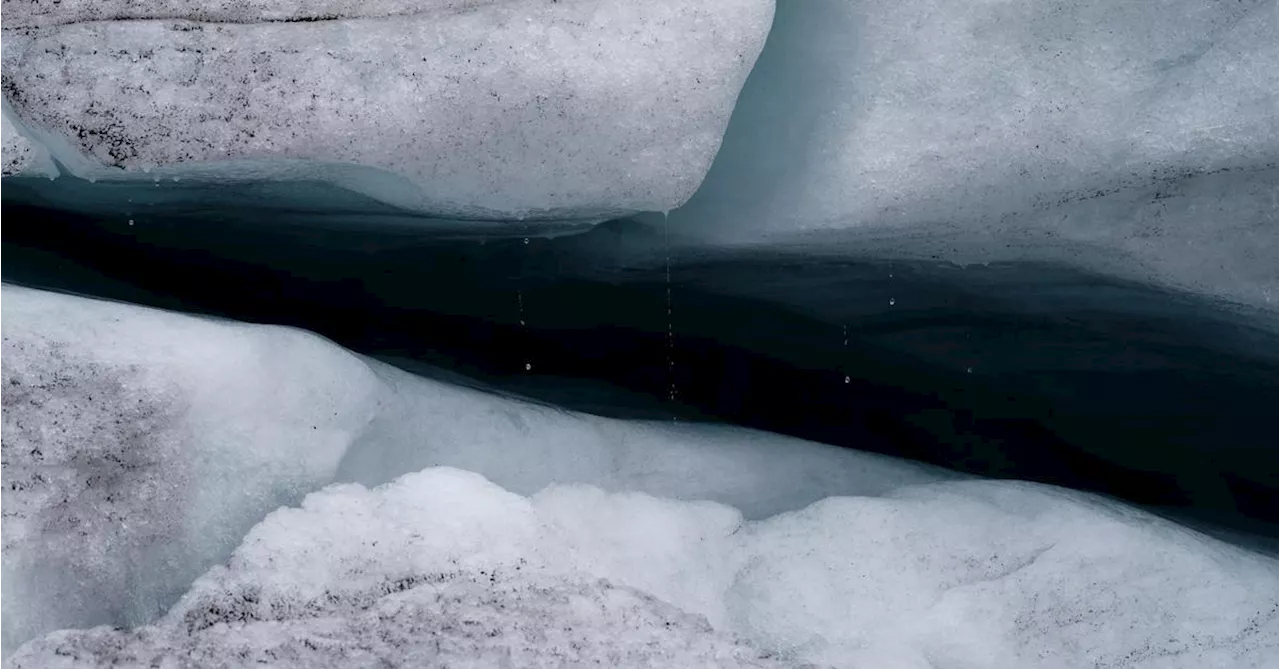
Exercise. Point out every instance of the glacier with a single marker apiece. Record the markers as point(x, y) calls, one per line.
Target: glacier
point(558, 332)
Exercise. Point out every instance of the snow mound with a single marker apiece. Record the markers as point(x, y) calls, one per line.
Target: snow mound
point(450, 566)
point(507, 110)
point(428, 571)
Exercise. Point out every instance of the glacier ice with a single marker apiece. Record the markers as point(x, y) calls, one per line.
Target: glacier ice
point(1135, 139)
point(139, 445)
point(443, 565)
point(498, 110)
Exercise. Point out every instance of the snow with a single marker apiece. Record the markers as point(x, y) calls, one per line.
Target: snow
point(139, 446)
point(442, 566)
point(499, 110)
point(1042, 131)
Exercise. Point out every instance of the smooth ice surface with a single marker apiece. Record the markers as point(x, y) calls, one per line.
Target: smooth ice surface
point(576, 109)
point(139, 445)
point(1134, 138)
point(972, 574)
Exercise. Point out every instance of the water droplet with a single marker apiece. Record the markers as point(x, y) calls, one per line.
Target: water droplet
point(846, 379)
point(526, 241)
point(131, 221)
point(892, 301)
point(968, 370)
point(528, 367)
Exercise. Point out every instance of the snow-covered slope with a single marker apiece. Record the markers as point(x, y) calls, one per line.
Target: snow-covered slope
point(444, 568)
point(513, 109)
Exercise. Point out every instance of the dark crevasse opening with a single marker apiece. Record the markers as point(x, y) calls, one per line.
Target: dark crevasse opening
point(1011, 370)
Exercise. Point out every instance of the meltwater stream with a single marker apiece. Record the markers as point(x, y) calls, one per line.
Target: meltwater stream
point(1027, 371)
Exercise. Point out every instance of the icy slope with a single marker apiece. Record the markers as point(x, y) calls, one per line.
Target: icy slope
point(139, 446)
point(442, 567)
point(524, 108)
point(1138, 139)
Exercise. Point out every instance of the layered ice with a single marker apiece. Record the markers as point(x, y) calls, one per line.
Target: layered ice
point(443, 567)
point(139, 446)
point(500, 110)
point(1137, 139)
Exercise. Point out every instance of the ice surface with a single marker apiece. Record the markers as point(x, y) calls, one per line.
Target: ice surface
point(1081, 131)
point(442, 566)
point(139, 446)
point(524, 447)
point(506, 110)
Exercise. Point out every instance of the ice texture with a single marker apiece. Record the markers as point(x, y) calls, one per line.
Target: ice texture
point(29, 13)
point(17, 149)
point(139, 446)
point(442, 567)
point(501, 110)
point(1138, 139)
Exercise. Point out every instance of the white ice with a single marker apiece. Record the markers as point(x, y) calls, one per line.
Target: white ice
point(139, 446)
point(500, 110)
point(1132, 138)
point(443, 567)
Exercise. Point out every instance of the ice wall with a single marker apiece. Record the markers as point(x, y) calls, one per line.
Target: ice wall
point(1134, 138)
point(499, 110)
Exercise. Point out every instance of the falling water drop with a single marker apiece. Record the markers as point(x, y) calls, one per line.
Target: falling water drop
point(892, 301)
point(528, 367)
point(671, 334)
point(131, 221)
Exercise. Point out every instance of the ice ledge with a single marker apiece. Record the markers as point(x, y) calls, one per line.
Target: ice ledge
point(507, 110)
